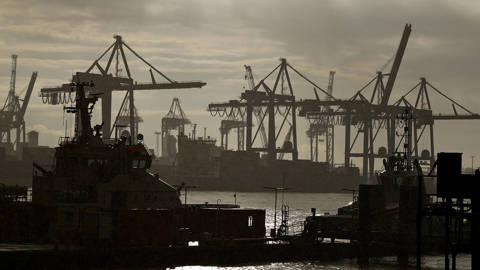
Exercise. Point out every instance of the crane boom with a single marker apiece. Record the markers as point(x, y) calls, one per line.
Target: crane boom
point(116, 84)
point(13, 74)
point(330, 128)
point(396, 64)
point(104, 83)
point(257, 111)
point(26, 99)
point(249, 77)
point(330, 84)
point(10, 100)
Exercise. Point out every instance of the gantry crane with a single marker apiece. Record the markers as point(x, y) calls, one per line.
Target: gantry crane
point(175, 119)
point(235, 120)
point(13, 112)
point(105, 83)
point(317, 128)
point(271, 99)
point(370, 116)
point(122, 120)
point(330, 135)
point(367, 115)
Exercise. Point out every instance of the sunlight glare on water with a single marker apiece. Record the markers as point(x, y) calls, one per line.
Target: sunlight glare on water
point(300, 206)
point(300, 203)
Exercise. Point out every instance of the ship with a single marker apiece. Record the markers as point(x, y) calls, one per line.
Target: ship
point(102, 191)
point(200, 162)
point(16, 165)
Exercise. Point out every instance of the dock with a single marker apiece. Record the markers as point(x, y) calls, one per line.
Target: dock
point(228, 253)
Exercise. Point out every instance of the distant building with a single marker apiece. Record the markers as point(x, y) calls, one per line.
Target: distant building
point(32, 138)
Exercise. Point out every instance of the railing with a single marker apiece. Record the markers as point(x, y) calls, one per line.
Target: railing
point(296, 228)
point(109, 140)
point(14, 193)
point(64, 140)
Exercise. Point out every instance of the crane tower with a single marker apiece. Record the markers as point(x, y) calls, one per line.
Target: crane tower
point(13, 112)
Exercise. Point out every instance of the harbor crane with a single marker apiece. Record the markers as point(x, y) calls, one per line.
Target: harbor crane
point(122, 120)
point(372, 115)
point(257, 110)
point(318, 128)
point(368, 116)
point(13, 112)
point(272, 99)
point(175, 119)
point(235, 120)
point(104, 83)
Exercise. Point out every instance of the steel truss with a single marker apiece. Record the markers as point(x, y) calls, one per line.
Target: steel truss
point(104, 83)
point(278, 100)
point(13, 112)
point(175, 119)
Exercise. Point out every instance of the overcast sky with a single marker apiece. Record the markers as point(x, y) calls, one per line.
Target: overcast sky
point(212, 40)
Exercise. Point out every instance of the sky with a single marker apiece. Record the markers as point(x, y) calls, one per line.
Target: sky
point(213, 40)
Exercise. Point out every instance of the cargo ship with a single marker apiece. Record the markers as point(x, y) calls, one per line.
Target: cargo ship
point(200, 162)
point(16, 165)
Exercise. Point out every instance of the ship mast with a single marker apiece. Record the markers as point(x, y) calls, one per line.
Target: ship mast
point(83, 110)
point(407, 117)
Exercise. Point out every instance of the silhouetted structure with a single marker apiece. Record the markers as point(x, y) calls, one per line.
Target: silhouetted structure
point(456, 203)
point(105, 83)
point(91, 178)
point(12, 114)
point(317, 129)
point(174, 120)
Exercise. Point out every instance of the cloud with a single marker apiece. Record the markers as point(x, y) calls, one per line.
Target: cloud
point(212, 40)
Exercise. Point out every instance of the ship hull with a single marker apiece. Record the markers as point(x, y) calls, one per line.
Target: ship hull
point(299, 176)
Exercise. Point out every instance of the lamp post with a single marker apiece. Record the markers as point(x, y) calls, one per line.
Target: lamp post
point(473, 170)
point(275, 189)
point(185, 187)
point(216, 217)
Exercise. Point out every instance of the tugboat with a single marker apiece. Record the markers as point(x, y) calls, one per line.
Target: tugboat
point(102, 191)
point(400, 173)
point(92, 177)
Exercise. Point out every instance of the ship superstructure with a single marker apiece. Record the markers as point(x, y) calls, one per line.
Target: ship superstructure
point(92, 176)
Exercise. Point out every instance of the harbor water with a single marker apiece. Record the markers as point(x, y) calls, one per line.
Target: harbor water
point(300, 205)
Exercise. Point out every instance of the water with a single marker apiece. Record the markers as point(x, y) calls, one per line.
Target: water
point(300, 206)
point(300, 203)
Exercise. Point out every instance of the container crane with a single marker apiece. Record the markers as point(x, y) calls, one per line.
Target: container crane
point(396, 64)
point(234, 120)
point(13, 112)
point(174, 119)
point(105, 83)
point(318, 128)
point(122, 120)
point(271, 98)
point(370, 116)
